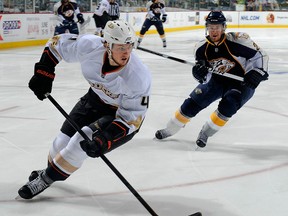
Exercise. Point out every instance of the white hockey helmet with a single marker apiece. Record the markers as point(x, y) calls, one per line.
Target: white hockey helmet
point(119, 32)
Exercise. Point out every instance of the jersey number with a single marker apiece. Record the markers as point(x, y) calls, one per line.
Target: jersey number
point(145, 101)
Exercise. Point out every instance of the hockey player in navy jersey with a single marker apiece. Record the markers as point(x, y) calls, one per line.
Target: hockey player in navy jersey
point(110, 113)
point(66, 13)
point(233, 53)
point(156, 16)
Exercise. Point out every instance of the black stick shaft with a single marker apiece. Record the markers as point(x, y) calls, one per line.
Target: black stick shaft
point(103, 157)
point(166, 56)
point(232, 76)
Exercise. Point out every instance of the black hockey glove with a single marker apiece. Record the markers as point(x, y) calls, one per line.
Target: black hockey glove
point(99, 143)
point(80, 18)
point(41, 81)
point(164, 18)
point(108, 135)
point(254, 77)
point(97, 146)
point(200, 71)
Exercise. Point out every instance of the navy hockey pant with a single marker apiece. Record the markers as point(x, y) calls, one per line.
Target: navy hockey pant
point(232, 97)
point(148, 23)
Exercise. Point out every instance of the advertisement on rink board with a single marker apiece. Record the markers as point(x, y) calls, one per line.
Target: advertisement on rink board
point(30, 27)
point(19, 27)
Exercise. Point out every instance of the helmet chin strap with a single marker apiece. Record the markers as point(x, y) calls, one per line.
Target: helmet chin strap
point(111, 59)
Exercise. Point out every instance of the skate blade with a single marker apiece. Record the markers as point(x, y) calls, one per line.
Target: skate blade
point(159, 140)
point(199, 149)
point(19, 198)
point(196, 214)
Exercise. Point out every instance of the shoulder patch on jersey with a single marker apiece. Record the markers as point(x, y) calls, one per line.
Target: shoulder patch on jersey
point(242, 35)
point(234, 36)
point(54, 40)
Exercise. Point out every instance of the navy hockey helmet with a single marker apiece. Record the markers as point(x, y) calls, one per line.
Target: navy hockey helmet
point(216, 17)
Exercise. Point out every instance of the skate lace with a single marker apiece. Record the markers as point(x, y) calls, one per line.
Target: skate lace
point(37, 185)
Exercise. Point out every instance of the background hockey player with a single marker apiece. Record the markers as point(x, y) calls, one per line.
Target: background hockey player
point(66, 13)
point(103, 12)
point(156, 16)
point(111, 112)
point(233, 53)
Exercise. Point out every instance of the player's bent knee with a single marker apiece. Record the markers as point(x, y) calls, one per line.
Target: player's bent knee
point(190, 108)
point(73, 153)
point(59, 143)
point(230, 103)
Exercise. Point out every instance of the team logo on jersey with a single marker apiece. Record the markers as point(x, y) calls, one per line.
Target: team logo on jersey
point(68, 13)
point(221, 65)
point(101, 87)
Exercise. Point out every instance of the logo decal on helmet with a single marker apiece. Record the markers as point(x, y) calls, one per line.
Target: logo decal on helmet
point(216, 17)
point(128, 40)
point(111, 25)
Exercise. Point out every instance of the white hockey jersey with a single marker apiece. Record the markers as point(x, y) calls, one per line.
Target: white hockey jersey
point(127, 88)
point(102, 6)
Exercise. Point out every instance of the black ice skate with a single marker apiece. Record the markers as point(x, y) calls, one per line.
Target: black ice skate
point(35, 187)
point(162, 134)
point(202, 139)
point(171, 129)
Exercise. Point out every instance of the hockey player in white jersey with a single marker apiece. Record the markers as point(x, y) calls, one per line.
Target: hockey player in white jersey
point(110, 113)
point(101, 16)
point(232, 53)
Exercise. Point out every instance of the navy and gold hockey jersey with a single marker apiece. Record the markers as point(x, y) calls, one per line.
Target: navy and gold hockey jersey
point(235, 53)
point(68, 11)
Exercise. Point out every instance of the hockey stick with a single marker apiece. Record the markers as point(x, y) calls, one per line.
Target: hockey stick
point(103, 157)
point(232, 76)
point(86, 22)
